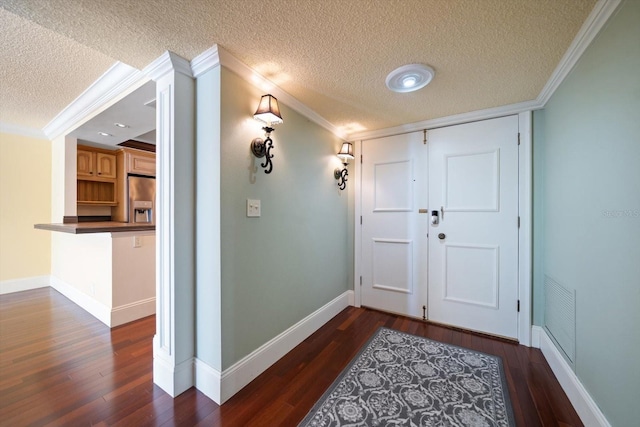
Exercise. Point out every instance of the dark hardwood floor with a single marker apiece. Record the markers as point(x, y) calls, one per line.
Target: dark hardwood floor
point(61, 367)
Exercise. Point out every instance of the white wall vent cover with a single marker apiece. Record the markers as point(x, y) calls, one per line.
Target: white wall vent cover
point(560, 315)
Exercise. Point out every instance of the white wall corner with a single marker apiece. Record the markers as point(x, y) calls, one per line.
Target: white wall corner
point(111, 85)
point(352, 298)
point(24, 284)
point(208, 380)
point(581, 400)
point(206, 61)
point(165, 63)
point(248, 368)
point(536, 331)
point(88, 304)
point(525, 232)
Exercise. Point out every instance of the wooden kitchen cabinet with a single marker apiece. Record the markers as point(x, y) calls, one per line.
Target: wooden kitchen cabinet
point(95, 164)
point(96, 173)
point(141, 163)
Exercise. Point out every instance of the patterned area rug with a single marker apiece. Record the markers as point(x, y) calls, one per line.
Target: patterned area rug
point(399, 379)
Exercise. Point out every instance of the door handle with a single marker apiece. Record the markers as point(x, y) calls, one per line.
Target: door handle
point(441, 236)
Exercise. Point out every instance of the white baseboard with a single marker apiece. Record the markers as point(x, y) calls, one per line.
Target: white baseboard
point(24, 284)
point(208, 380)
point(129, 312)
point(174, 380)
point(93, 307)
point(220, 387)
point(581, 400)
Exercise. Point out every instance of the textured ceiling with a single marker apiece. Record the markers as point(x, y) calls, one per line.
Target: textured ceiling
point(332, 55)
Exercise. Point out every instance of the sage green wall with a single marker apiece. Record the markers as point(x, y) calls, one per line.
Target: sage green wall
point(588, 158)
point(281, 267)
point(208, 303)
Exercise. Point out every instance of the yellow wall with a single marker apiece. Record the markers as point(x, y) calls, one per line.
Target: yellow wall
point(25, 199)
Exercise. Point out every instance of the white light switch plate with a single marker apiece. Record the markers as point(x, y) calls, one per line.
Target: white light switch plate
point(253, 208)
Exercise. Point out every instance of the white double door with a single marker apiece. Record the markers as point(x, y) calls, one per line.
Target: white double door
point(462, 270)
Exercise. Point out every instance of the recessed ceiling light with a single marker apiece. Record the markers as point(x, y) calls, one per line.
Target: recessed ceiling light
point(104, 134)
point(120, 125)
point(410, 77)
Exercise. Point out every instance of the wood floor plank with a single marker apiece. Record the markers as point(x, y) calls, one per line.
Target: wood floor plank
point(61, 367)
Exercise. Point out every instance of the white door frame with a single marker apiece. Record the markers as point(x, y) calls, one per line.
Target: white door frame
point(525, 189)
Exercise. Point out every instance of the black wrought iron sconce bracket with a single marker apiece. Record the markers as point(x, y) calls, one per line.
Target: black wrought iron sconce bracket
point(341, 175)
point(262, 148)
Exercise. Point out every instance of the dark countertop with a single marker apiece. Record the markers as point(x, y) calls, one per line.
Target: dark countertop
point(95, 227)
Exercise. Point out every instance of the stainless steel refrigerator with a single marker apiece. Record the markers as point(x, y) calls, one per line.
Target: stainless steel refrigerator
point(142, 199)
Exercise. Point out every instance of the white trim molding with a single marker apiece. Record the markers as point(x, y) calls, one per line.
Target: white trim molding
point(221, 386)
point(206, 61)
point(599, 15)
point(24, 284)
point(117, 82)
point(22, 131)
point(173, 379)
point(581, 400)
point(525, 234)
point(129, 312)
point(88, 304)
point(174, 342)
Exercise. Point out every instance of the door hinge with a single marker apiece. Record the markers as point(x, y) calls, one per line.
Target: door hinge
point(360, 219)
point(518, 222)
point(360, 280)
point(360, 158)
point(518, 304)
point(518, 138)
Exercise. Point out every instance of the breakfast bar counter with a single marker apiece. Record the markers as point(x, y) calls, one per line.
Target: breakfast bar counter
point(96, 227)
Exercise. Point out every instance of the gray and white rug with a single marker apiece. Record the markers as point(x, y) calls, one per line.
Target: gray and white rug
point(399, 379)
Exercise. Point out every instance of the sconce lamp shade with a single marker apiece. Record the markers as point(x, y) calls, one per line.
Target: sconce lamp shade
point(346, 152)
point(268, 110)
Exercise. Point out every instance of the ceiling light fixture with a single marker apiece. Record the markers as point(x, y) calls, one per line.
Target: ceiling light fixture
point(409, 78)
point(104, 134)
point(120, 125)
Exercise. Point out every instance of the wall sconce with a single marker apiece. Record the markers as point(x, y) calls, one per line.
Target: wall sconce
point(268, 112)
point(345, 154)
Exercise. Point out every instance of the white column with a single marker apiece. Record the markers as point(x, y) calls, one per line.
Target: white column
point(173, 344)
point(63, 178)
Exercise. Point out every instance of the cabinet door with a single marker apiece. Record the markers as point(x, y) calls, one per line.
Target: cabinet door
point(106, 165)
point(85, 163)
point(142, 164)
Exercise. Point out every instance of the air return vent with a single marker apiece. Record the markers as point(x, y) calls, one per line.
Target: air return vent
point(560, 315)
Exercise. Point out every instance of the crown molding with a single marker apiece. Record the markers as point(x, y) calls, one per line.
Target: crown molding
point(206, 61)
point(472, 116)
point(112, 84)
point(255, 78)
point(166, 63)
point(598, 17)
point(28, 132)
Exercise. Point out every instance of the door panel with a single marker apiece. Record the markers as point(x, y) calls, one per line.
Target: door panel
point(394, 234)
point(473, 251)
